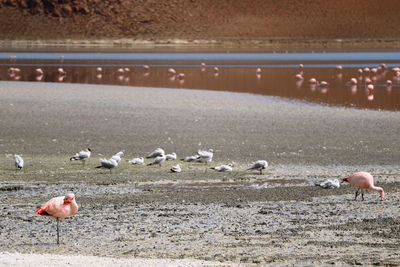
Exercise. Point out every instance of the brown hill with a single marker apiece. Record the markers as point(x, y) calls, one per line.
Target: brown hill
point(199, 19)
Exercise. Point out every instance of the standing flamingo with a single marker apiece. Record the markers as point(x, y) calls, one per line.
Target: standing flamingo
point(59, 208)
point(363, 180)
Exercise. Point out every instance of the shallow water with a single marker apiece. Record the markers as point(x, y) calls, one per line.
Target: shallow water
point(236, 72)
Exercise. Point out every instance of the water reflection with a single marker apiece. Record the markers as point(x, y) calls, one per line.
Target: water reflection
point(364, 85)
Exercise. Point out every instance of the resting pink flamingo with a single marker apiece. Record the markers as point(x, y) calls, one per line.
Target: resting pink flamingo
point(363, 180)
point(59, 208)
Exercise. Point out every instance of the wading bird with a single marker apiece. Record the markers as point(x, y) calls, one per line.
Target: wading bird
point(259, 165)
point(117, 156)
point(19, 161)
point(59, 208)
point(157, 152)
point(82, 155)
point(171, 156)
point(108, 164)
point(205, 156)
point(137, 161)
point(158, 160)
point(363, 180)
point(223, 168)
point(330, 184)
point(176, 168)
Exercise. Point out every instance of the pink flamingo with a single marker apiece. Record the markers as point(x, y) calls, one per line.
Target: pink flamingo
point(312, 81)
point(171, 71)
point(59, 208)
point(363, 180)
point(299, 77)
point(39, 71)
point(353, 81)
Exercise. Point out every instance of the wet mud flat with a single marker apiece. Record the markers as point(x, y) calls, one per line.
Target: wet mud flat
point(291, 222)
point(240, 217)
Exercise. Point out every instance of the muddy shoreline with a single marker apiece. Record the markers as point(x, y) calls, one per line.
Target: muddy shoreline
point(279, 217)
point(269, 43)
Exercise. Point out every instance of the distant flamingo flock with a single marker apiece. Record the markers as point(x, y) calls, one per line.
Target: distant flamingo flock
point(366, 78)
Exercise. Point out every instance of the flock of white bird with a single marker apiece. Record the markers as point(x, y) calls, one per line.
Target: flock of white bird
point(159, 156)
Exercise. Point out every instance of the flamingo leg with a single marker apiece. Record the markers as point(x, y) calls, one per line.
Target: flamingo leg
point(58, 231)
point(362, 195)
point(260, 171)
point(357, 192)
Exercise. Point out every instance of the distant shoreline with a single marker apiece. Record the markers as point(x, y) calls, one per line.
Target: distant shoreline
point(226, 42)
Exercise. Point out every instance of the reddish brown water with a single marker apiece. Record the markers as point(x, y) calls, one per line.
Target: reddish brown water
point(275, 78)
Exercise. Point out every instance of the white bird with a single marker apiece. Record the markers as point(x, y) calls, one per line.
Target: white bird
point(171, 156)
point(19, 161)
point(223, 168)
point(108, 163)
point(205, 156)
point(330, 184)
point(82, 155)
point(157, 152)
point(158, 160)
point(117, 156)
point(176, 168)
point(190, 158)
point(137, 161)
point(259, 165)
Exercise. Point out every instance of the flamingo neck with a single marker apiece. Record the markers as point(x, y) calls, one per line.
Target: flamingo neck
point(380, 189)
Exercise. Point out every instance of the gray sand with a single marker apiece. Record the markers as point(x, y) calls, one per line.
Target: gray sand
point(239, 217)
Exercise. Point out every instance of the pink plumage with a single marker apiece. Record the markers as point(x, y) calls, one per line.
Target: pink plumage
point(59, 208)
point(363, 180)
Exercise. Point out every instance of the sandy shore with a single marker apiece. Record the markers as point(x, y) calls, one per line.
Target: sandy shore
point(17, 259)
point(239, 217)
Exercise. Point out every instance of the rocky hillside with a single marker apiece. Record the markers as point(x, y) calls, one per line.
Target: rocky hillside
point(199, 19)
